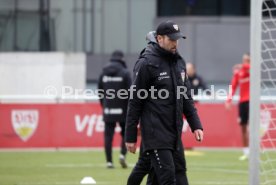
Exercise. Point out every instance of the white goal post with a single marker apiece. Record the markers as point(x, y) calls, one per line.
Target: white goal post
point(255, 51)
point(262, 160)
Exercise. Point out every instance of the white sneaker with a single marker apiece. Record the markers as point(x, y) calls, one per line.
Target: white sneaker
point(122, 161)
point(109, 165)
point(243, 157)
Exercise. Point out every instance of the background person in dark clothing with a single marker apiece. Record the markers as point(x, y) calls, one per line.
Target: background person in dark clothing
point(196, 81)
point(115, 76)
point(162, 68)
point(143, 165)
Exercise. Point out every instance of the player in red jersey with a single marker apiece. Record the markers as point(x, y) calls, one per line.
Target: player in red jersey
point(241, 76)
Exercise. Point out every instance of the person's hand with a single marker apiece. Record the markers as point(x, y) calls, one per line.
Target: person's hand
point(228, 105)
point(131, 147)
point(138, 130)
point(198, 135)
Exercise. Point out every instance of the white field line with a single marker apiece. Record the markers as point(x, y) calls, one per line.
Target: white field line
point(85, 165)
point(88, 165)
point(203, 167)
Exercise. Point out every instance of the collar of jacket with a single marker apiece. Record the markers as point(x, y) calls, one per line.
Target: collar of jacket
point(156, 50)
point(120, 62)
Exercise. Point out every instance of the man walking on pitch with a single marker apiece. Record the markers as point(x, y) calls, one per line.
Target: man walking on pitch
point(163, 69)
point(115, 76)
point(241, 76)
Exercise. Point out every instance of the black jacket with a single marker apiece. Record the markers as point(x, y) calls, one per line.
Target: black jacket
point(197, 83)
point(115, 76)
point(161, 119)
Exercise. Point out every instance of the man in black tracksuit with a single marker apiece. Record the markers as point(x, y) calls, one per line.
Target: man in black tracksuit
point(160, 116)
point(115, 77)
point(143, 166)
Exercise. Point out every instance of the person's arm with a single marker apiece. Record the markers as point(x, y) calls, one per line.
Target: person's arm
point(234, 85)
point(191, 114)
point(135, 104)
point(100, 87)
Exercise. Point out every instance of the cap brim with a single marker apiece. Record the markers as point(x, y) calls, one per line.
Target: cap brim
point(176, 36)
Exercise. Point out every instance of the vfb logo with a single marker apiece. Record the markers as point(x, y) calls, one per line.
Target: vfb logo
point(24, 123)
point(90, 124)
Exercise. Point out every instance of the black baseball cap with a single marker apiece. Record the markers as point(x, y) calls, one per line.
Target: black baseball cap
point(170, 29)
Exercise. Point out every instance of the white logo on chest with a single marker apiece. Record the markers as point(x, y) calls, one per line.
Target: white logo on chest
point(163, 73)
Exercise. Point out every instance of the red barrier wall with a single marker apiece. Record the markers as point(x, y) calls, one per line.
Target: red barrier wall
point(80, 125)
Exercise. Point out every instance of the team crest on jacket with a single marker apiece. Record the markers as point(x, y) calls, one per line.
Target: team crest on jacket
point(24, 123)
point(183, 75)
